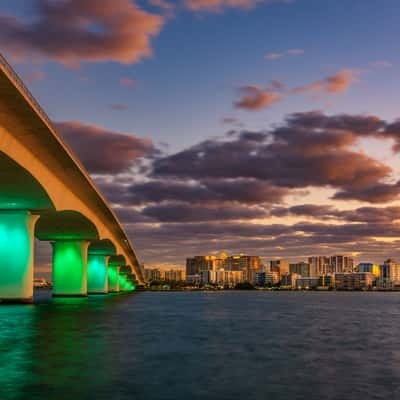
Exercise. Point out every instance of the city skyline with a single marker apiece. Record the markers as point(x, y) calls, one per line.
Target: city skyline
point(269, 135)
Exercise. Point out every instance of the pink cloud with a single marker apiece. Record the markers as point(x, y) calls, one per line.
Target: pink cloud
point(71, 32)
point(220, 5)
point(127, 82)
point(273, 56)
point(255, 98)
point(337, 83)
point(34, 76)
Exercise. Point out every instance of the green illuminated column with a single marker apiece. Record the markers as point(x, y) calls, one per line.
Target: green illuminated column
point(122, 282)
point(97, 273)
point(113, 278)
point(16, 255)
point(70, 267)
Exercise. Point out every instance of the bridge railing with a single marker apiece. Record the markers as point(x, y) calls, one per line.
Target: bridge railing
point(10, 71)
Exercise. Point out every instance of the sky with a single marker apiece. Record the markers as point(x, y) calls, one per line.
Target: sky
point(266, 127)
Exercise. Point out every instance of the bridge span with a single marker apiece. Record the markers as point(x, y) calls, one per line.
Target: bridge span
point(46, 193)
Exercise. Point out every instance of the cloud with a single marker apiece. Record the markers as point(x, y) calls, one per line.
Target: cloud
point(184, 212)
point(382, 64)
point(376, 215)
point(205, 192)
point(71, 32)
point(255, 98)
point(309, 150)
point(374, 193)
point(34, 76)
point(273, 56)
point(102, 151)
point(290, 52)
point(337, 83)
point(119, 107)
point(296, 52)
point(127, 82)
point(219, 5)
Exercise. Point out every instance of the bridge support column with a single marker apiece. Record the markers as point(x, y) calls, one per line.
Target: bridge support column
point(16, 256)
point(113, 279)
point(97, 274)
point(122, 282)
point(70, 267)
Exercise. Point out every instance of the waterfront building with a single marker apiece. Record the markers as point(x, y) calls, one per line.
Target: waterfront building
point(174, 275)
point(152, 274)
point(228, 278)
point(354, 280)
point(208, 277)
point(320, 265)
point(307, 283)
point(326, 281)
point(369, 267)
point(340, 263)
point(390, 272)
point(289, 280)
point(281, 266)
point(242, 262)
point(194, 279)
point(272, 278)
point(200, 263)
point(301, 268)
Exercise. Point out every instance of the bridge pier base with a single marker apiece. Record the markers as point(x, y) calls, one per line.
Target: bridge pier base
point(97, 274)
point(16, 255)
point(70, 267)
point(113, 279)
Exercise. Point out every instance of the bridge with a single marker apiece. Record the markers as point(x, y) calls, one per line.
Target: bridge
point(46, 193)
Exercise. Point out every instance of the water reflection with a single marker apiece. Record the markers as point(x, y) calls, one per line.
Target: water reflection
point(64, 348)
point(214, 346)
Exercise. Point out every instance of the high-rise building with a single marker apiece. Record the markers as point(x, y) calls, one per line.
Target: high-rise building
point(152, 274)
point(281, 266)
point(390, 272)
point(200, 263)
point(247, 264)
point(369, 267)
point(174, 275)
point(354, 280)
point(228, 278)
point(340, 263)
point(301, 268)
point(320, 265)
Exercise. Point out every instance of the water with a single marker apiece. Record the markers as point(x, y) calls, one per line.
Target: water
point(206, 345)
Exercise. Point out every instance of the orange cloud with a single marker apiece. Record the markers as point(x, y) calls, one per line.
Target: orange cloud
point(219, 5)
point(71, 32)
point(337, 83)
point(127, 82)
point(255, 98)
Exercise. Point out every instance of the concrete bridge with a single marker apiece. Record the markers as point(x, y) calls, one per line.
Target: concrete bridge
point(46, 193)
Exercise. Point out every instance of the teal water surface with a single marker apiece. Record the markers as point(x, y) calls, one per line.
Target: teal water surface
point(203, 345)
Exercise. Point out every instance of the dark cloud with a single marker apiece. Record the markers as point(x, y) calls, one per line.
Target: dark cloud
point(309, 150)
point(71, 32)
point(245, 191)
point(374, 193)
point(376, 215)
point(184, 212)
point(102, 151)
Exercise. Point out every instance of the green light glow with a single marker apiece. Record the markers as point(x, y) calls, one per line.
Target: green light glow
point(122, 283)
point(97, 273)
point(113, 280)
point(70, 267)
point(16, 254)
